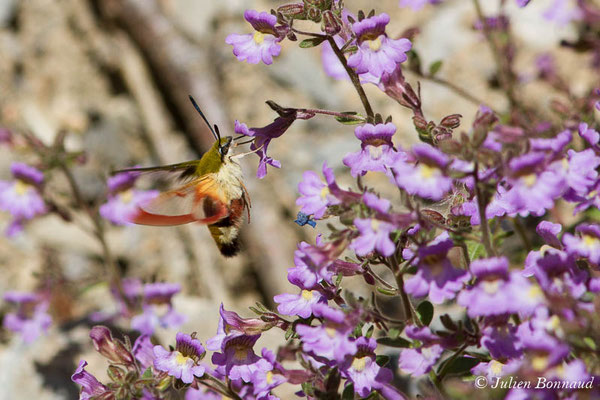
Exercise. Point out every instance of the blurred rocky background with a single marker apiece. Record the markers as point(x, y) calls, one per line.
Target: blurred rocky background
point(115, 76)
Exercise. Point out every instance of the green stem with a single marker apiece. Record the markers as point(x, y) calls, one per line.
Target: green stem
point(504, 74)
point(353, 77)
point(482, 205)
point(449, 362)
point(333, 113)
point(522, 233)
point(409, 310)
point(459, 91)
point(114, 273)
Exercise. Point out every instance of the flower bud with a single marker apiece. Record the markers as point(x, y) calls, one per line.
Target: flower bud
point(451, 121)
point(112, 349)
point(292, 10)
point(331, 24)
point(314, 14)
point(115, 373)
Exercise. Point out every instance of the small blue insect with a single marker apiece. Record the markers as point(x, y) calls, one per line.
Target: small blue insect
point(303, 219)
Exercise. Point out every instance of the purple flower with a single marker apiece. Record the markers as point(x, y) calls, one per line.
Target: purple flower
point(374, 235)
point(589, 134)
point(90, 386)
point(494, 368)
point(377, 53)
point(436, 275)
point(556, 272)
point(184, 362)
point(263, 137)
point(329, 341)
point(419, 361)
point(587, 244)
point(532, 190)
point(123, 201)
point(298, 304)
point(143, 351)
point(362, 369)
point(237, 359)
point(497, 292)
point(22, 197)
point(377, 152)
point(581, 172)
point(417, 4)
point(262, 45)
point(265, 379)
point(555, 144)
point(202, 393)
point(522, 3)
point(31, 319)
point(312, 265)
point(113, 350)
point(316, 195)
point(501, 341)
point(427, 178)
point(560, 12)
point(158, 308)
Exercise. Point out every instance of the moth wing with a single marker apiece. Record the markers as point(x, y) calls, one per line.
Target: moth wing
point(197, 201)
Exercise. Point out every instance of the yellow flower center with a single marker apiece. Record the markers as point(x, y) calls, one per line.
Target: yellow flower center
point(330, 332)
point(374, 45)
point(553, 323)
point(590, 241)
point(259, 37)
point(539, 363)
point(359, 364)
point(307, 295)
point(529, 180)
point(565, 164)
point(324, 192)
point(241, 353)
point(374, 225)
point(269, 377)
point(427, 171)
point(375, 151)
point(496, 367)
point(126, 196)
point(491, 287)
point(181, 359)
point(21, 187)
point(535, 292)
point(544, 249)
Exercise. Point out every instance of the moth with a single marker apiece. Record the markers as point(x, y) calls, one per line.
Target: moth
point(211, 191)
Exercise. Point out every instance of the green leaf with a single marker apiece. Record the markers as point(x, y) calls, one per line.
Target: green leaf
point(435, 67)
point(147, 373)
point(387, 292)
point(425, 312)
point(348, 393)
point(460, 365)
point(382, 360)
point(312, 42)
point(589, 342)
point(370, 331)
point(350, 120)
point(394, 342)
point(475, 249)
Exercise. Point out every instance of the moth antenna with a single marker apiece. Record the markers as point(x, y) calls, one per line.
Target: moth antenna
point(217, 137)
point(218, 133)
point(248, 152)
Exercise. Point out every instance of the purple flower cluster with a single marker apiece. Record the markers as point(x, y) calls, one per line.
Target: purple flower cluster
point(123, 199)
point(22, 196)
point(31, 319)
